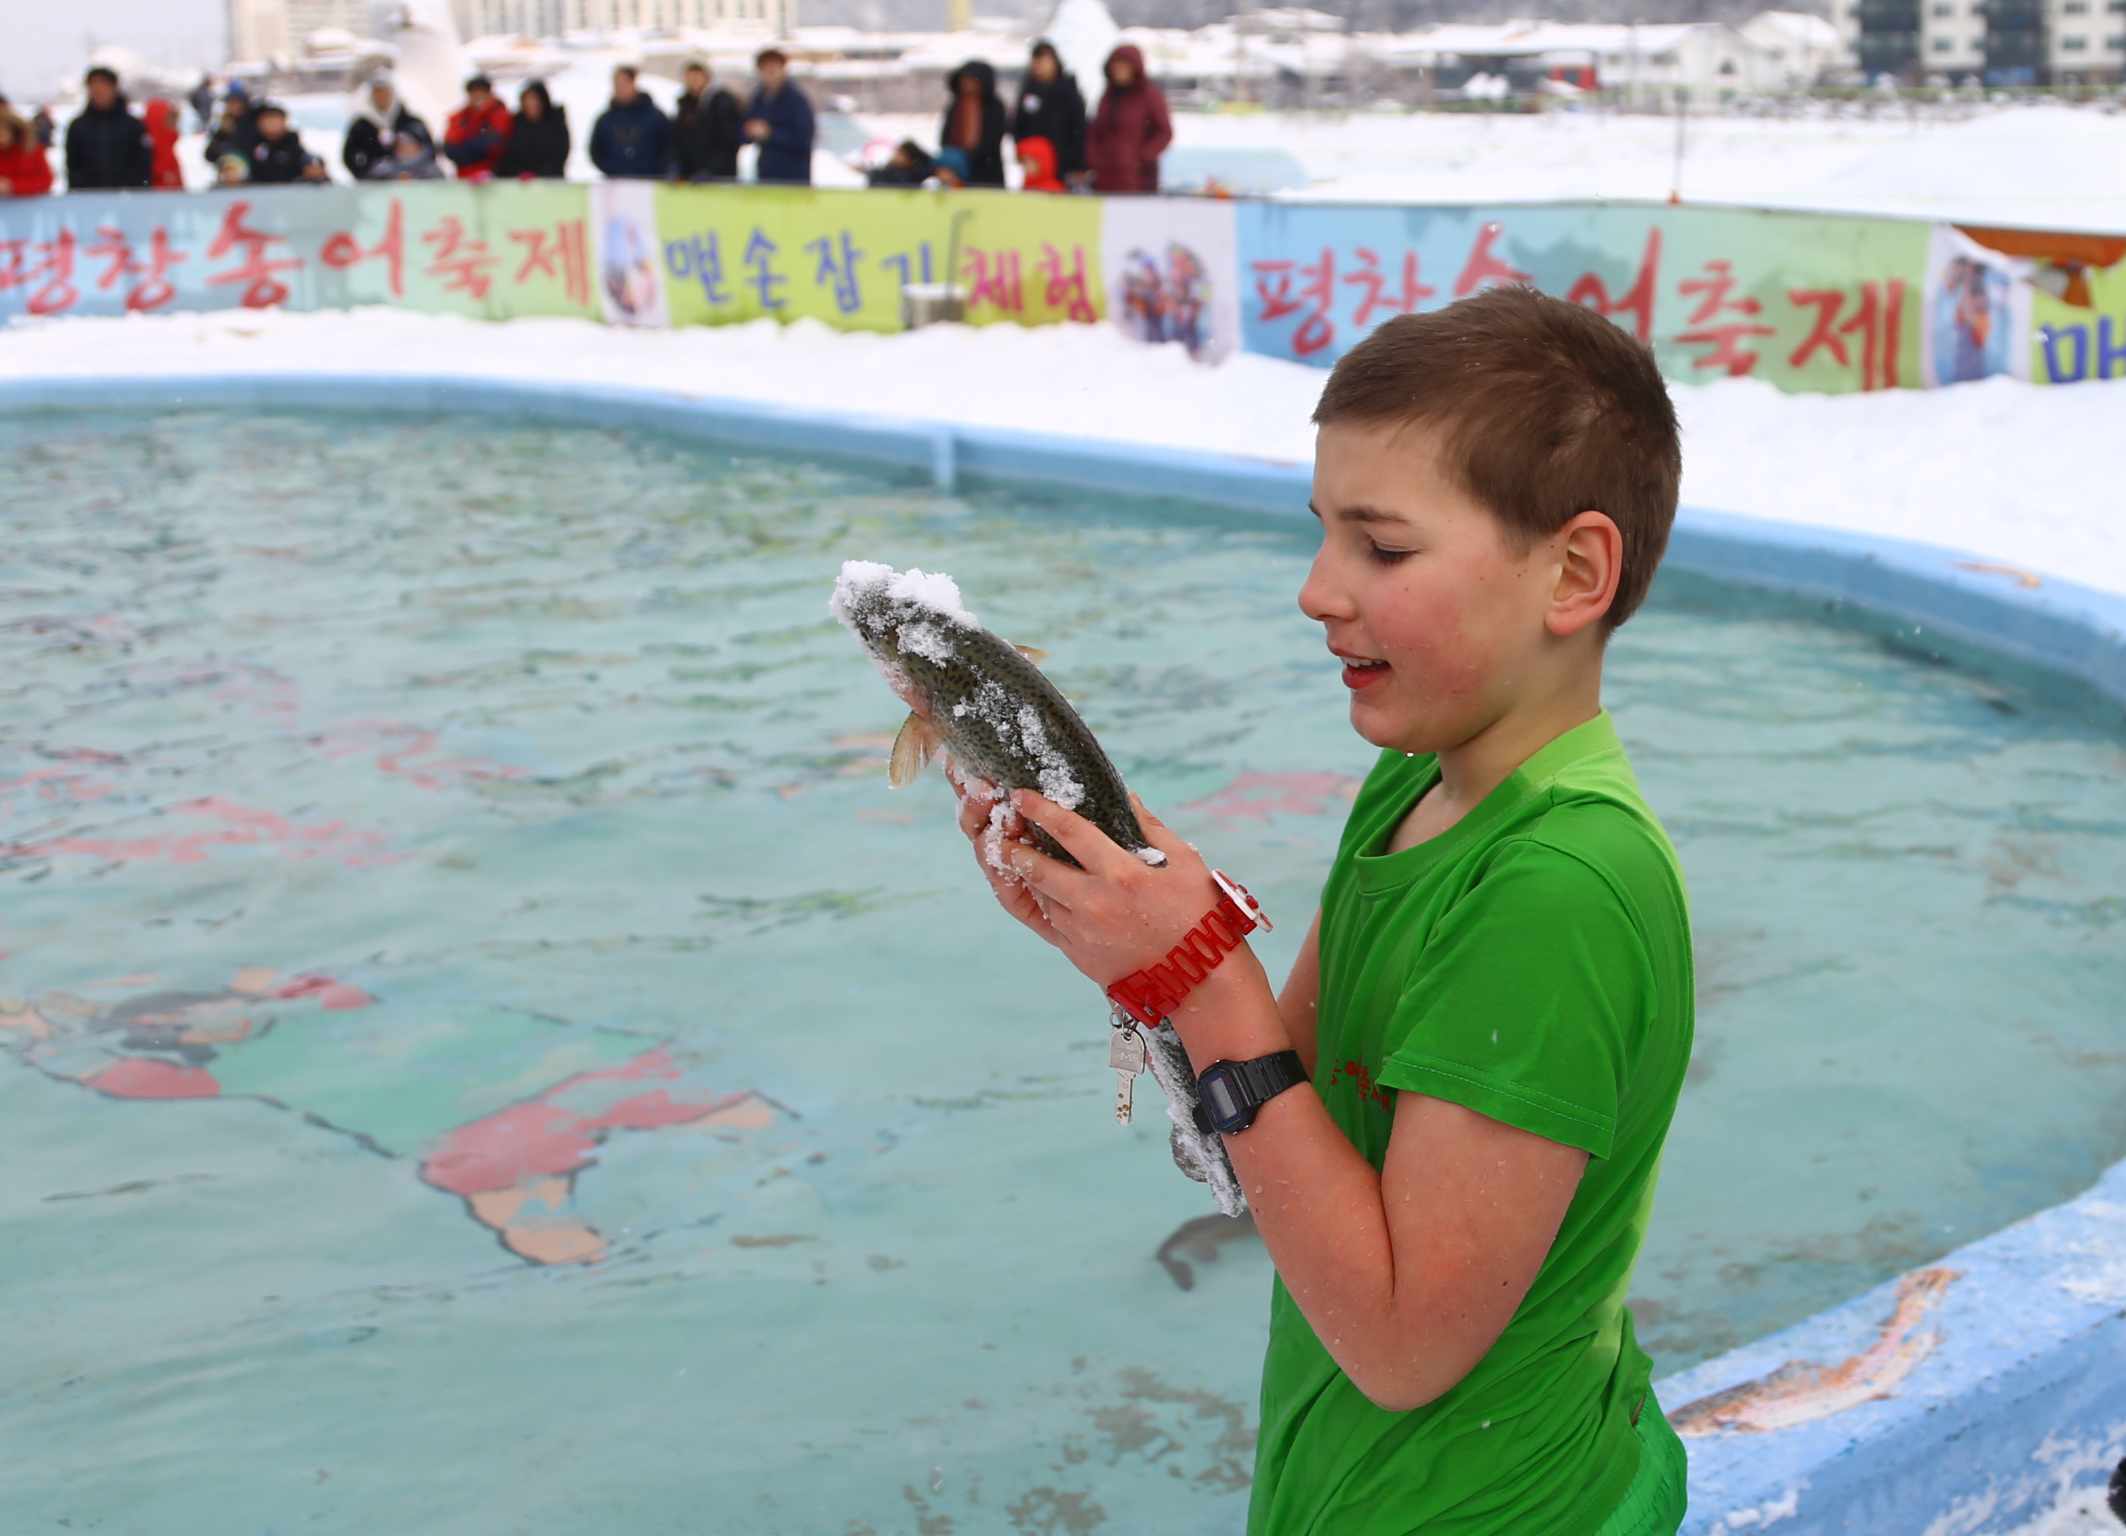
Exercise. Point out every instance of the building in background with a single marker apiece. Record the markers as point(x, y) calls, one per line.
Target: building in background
point(278, 29)
point(557, 18)
point(1800, 48)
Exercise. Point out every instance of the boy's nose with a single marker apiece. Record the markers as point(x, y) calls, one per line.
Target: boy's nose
point(1322, 599)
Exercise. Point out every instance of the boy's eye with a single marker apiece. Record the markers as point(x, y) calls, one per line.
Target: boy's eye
point(1380, 555)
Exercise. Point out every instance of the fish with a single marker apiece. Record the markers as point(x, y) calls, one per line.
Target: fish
point(984, 701)
point(1801, 1391)
point(1199, 1238)
point(1005, 726)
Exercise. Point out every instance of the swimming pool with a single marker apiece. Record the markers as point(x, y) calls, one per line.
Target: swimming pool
point(437, 837)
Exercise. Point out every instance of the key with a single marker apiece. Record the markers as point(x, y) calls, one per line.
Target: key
point(1125, 1053)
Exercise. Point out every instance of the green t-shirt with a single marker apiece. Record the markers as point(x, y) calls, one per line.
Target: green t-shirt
point(1532, 963)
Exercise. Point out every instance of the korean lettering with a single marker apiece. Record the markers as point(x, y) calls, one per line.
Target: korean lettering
point(1370, 277)
point(566, 247)
point(1636, 301)
point(1066, 289)
point(462, 264)
point(55, 267)
point(1485, 267)
point(760, 256)
point(261, 288)
point(342, 251)
point(1878, 319)
point(1725, 338)
point(699, 257)
point(838, 271)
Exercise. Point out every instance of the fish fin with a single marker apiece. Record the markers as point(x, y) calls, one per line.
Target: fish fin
point(915, 746)
point(1032, 653)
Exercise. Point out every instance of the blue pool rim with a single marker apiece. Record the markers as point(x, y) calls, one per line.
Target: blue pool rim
point(2023, 1392)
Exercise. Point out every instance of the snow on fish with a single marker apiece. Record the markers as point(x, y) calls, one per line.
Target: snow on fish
point(1005, 726)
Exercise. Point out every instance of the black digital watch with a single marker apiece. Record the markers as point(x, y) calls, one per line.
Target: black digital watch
point(1229, 1093)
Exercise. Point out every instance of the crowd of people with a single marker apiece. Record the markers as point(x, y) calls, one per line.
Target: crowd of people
point(1058, 145)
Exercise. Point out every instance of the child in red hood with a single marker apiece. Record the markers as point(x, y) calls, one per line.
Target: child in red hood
point(1037, 158)
point(25, 167)
point(161, 119)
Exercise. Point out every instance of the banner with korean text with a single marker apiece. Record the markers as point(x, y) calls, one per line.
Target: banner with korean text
point(493, 251)
point(843, 257)
point(1803, 301)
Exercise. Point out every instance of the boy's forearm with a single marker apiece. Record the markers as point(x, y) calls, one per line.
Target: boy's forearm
point(1318, 1205)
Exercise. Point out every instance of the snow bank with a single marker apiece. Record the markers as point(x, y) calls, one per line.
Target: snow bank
point(2017, 473)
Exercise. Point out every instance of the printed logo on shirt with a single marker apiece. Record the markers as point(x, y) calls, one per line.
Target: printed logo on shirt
point(1355, 1073)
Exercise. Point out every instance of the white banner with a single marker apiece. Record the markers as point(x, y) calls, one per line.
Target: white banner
point(630, 278)
point(1172, 272)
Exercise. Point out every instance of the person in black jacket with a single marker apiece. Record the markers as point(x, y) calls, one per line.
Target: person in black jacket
point(371, 150)
point(1052, 107)
point(107, 147)
point(632, 139)
point(708, 129)
point(973, 126)
point(538, 140)
point(279, 158)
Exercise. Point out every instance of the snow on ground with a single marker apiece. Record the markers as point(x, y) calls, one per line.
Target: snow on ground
point(2081, 1513)
point(2017, 473)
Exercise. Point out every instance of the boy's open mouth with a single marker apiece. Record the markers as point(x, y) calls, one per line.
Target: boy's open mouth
point(1361, 671)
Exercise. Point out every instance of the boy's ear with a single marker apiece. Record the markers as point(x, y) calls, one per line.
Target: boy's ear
point(1590, 560)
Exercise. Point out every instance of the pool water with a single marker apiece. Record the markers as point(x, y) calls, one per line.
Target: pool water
point(486, 1050)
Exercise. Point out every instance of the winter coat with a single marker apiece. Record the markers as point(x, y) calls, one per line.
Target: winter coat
point(1129, 132)
point(160, 119)
point(787, 153)
point(708, 134)
point(277, 162)
point(985, 158)
point(537, 149)
point(25, 166)
point(239, 139)
point(1037, 160)
point(476, 138)
point(1055, 112)
point(367, 152)
point(107, 149)
point(633, 142)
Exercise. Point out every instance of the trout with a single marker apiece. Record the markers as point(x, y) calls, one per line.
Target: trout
point(984, 701)
point(1006, 727)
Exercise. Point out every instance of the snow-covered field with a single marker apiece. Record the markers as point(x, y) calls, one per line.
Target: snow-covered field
point(2014, 472)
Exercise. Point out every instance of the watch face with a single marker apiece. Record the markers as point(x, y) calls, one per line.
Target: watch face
point(1223, 1101)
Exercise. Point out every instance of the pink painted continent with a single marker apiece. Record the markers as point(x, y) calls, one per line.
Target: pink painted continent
point(143, 1077)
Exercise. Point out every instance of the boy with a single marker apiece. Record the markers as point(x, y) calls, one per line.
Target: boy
point(1495, 1003)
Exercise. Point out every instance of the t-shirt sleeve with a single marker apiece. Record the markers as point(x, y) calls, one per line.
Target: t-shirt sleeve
point(1529, 1000)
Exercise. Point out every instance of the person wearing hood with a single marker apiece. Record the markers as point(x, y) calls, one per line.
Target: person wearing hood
point(971, 134)
point(708, 131)
point(236, 133)
point(632, 139)
point(107, 147)
point(779, 119)
point(25, 168)
point(161, 119)
point(1131, 129)
point(380, 121)
point(1051, 107)
point(478, 132)
point(538, 140)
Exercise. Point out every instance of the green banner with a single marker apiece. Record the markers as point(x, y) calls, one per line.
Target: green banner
point(843, 257)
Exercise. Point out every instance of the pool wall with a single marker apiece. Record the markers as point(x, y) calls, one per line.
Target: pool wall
point(1958, 1400)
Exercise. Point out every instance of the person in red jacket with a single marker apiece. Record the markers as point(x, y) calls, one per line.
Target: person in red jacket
point(478, 132)
point(1131, 129)
point(25, 167)
point(161, 119)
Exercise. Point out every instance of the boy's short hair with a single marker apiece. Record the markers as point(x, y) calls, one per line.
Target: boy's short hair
point(479, 83)
point(1544, 410)
point(766, 54)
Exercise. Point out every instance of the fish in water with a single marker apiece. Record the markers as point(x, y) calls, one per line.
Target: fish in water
point(1199, 1238)
point(982, 700)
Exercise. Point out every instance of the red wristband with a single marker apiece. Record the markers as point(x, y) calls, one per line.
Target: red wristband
point(1151, 994)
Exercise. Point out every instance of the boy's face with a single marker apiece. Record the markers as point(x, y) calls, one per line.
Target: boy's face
point(1436, 613)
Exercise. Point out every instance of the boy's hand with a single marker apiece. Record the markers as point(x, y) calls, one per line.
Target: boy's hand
point(1116, 914)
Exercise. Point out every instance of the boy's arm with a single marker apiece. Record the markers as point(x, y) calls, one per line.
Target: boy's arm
point(1409, 1274)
